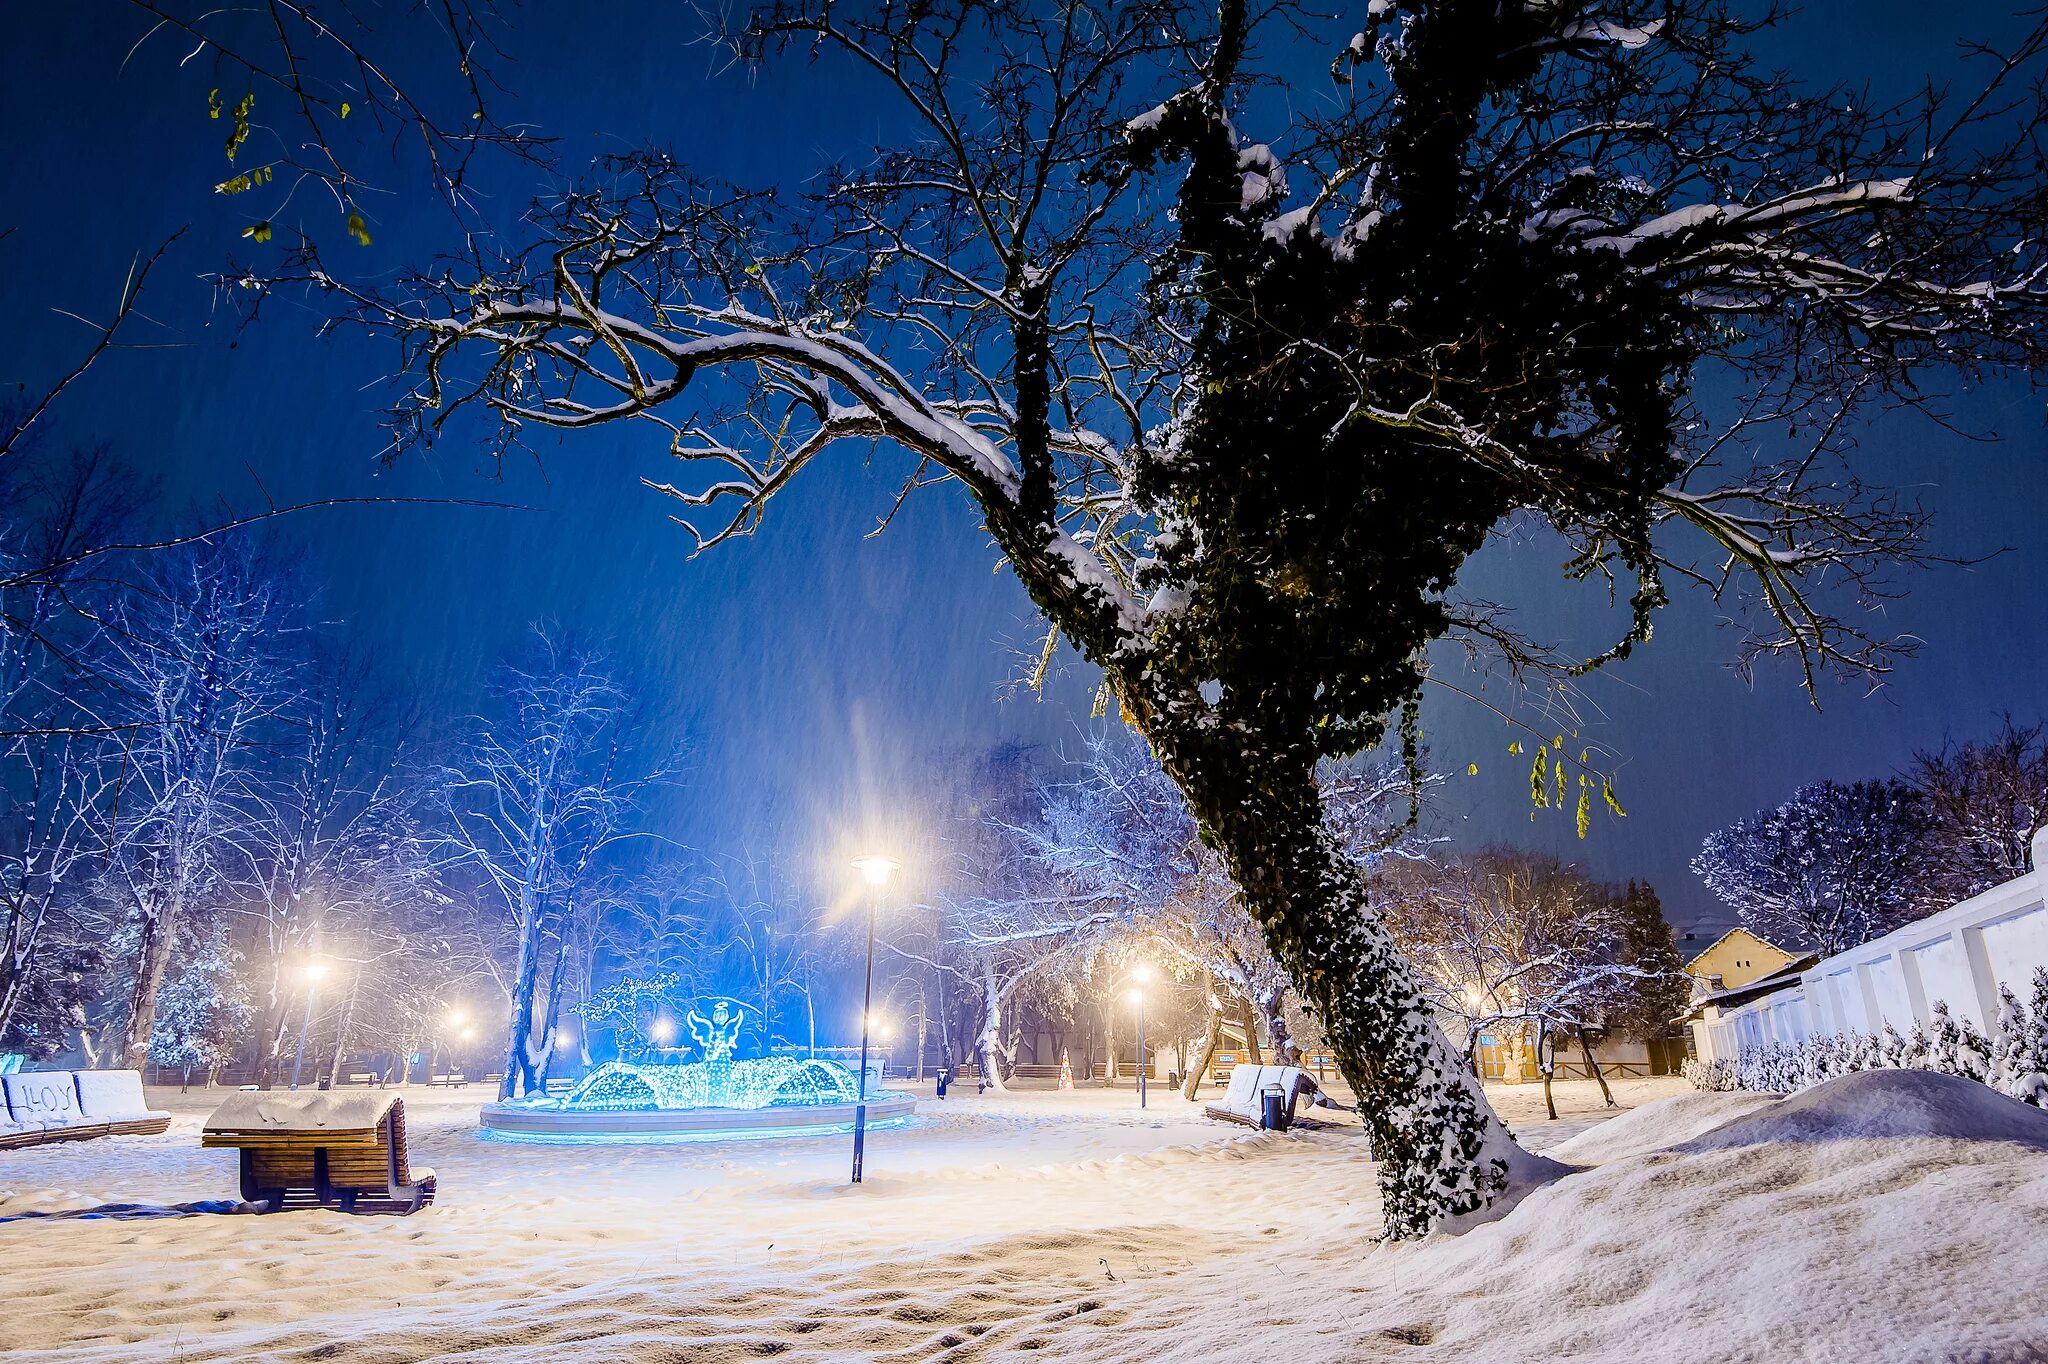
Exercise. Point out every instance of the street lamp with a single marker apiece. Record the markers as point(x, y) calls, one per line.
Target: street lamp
point(312, 971)
point(875, 870)
point(1142, 975)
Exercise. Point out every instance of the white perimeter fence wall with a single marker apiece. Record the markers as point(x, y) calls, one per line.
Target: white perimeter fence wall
point(1959, 956)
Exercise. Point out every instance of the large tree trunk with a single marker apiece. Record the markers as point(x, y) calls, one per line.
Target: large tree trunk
point(1213, 1039)
point(1250, 1027)
point(152, 963)
point(1445, 1159)
point(270, 1031)
point(344, 1030)
point(988, 1044)
point(551, 1013)
point(1515, 1053)
point(518, 1072)
point(1272, 1007)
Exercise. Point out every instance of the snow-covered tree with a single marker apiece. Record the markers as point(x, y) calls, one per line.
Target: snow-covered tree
point(1834, 866)
point(332, 840)
point(539, 791)
point(1984, 800)
point(198, 666)
point(1646, 1006)
point(203, 1014)
point(1238, 389)
point(1517, 944)
point(56, 789)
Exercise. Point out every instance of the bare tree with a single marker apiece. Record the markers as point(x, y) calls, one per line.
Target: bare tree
point(1984, 800)
point(198, 672)
point(1514, 944)
point(52, 845)
point(770, 937)
point(332, 835)
point(538, 793)
point(1236, 406)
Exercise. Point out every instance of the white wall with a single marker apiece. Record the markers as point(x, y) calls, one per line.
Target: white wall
point(1960, 956)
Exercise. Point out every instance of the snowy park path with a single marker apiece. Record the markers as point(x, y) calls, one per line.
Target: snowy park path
point(1028, 1224)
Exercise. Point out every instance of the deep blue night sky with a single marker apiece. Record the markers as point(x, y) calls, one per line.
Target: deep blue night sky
point(816, 675)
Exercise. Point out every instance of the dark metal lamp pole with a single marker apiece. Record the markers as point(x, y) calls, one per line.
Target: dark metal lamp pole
point(875, 871)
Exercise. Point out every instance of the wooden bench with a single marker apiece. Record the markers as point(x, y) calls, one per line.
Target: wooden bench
point(42, 1106)
point(320, 1150)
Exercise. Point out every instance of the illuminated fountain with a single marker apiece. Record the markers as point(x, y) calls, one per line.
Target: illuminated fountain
point(718, 1095)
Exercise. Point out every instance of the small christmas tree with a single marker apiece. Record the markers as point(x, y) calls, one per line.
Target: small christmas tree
point(2037, 1032)
point(2009, 1042)
point(1944, 1042)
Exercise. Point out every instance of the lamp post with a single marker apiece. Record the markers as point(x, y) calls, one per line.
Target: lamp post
point(312, 971)
point(874, 870)
point(1142, 975)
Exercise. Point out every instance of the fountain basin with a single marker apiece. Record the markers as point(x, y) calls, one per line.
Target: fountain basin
point(636, 1101)
point(521, 1122)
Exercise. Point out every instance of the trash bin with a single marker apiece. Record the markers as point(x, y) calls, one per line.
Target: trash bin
point(1274, 1117)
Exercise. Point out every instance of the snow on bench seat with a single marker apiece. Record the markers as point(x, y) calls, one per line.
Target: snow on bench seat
point(299, 1111)
point(61, 1105)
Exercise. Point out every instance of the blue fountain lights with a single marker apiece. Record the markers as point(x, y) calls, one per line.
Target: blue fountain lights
point(761, 1082)
point(717, 1095)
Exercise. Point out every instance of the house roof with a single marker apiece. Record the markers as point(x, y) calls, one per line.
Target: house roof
point(1763, 942)
point(1784, 978)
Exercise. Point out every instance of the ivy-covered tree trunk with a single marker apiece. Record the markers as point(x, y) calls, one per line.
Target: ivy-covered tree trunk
point(1443, 1156)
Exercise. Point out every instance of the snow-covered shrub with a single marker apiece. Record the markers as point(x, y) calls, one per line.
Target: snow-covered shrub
point(1717, 1076)
point(2019, 1051)
point(2014, 1060)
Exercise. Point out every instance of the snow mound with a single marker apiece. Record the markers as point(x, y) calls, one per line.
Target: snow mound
point(1666, 1122)
point(1885, 1105)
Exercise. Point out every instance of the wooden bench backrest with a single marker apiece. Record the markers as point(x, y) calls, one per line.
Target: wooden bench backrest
point(42, 1096)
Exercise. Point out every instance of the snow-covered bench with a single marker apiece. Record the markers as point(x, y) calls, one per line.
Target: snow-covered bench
point(61, 1105)
point(1245, 1100)
point(345, 1150)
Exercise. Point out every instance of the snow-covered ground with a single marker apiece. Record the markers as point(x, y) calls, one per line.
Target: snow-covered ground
point(1865, 1220)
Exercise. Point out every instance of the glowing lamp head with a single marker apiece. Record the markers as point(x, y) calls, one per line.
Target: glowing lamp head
point(456, 1018)
point(1142, 974)
point(1137, 996)
point(875, 869)
point(663, 1031)
point(313, 970)
point(564, 1038)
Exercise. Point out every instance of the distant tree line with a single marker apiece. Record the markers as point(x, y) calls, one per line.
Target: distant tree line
point(1076, 874)
point(219, 832)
